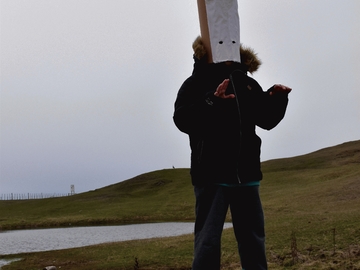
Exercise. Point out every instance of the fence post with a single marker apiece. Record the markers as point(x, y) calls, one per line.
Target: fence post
point(31, 196)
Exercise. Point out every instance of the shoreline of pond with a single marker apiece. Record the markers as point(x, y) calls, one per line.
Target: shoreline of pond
point(13, 242)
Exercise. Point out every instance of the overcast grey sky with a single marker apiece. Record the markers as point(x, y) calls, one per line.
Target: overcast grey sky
point(88, 86)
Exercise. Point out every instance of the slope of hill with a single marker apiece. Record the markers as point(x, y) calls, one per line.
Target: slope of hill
point(306, 189)
point(315, 196)
point(163, 195)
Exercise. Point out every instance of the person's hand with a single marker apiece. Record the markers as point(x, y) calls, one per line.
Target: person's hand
point(221, 89)
point(281, 89)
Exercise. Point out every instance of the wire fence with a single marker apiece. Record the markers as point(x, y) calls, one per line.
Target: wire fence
point(32, 196)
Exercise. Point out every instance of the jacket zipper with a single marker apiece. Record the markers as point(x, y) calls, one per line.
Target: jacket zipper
point(239, 113)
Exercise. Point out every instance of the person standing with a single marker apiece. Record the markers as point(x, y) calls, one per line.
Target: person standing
point(219, 107)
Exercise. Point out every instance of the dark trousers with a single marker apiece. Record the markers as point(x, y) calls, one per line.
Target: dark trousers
point(212, 203)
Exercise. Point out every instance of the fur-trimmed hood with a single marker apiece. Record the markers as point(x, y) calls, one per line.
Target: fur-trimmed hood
point(248, 56)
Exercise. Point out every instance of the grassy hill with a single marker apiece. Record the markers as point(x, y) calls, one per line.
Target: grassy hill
point(314, 200)
point(164, 195)
point(325, 182)
point(311, 205)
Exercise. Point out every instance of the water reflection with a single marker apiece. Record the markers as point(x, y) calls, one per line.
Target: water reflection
point(21, 241)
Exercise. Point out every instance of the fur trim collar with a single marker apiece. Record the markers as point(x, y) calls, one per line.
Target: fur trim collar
point(248, 56)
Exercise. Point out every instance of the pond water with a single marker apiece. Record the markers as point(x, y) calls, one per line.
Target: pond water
point(21, 241)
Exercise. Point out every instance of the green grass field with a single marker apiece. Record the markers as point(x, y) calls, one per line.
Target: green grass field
point(311, 205)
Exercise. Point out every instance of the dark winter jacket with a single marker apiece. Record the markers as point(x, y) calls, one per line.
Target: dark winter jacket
point(224, 145)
